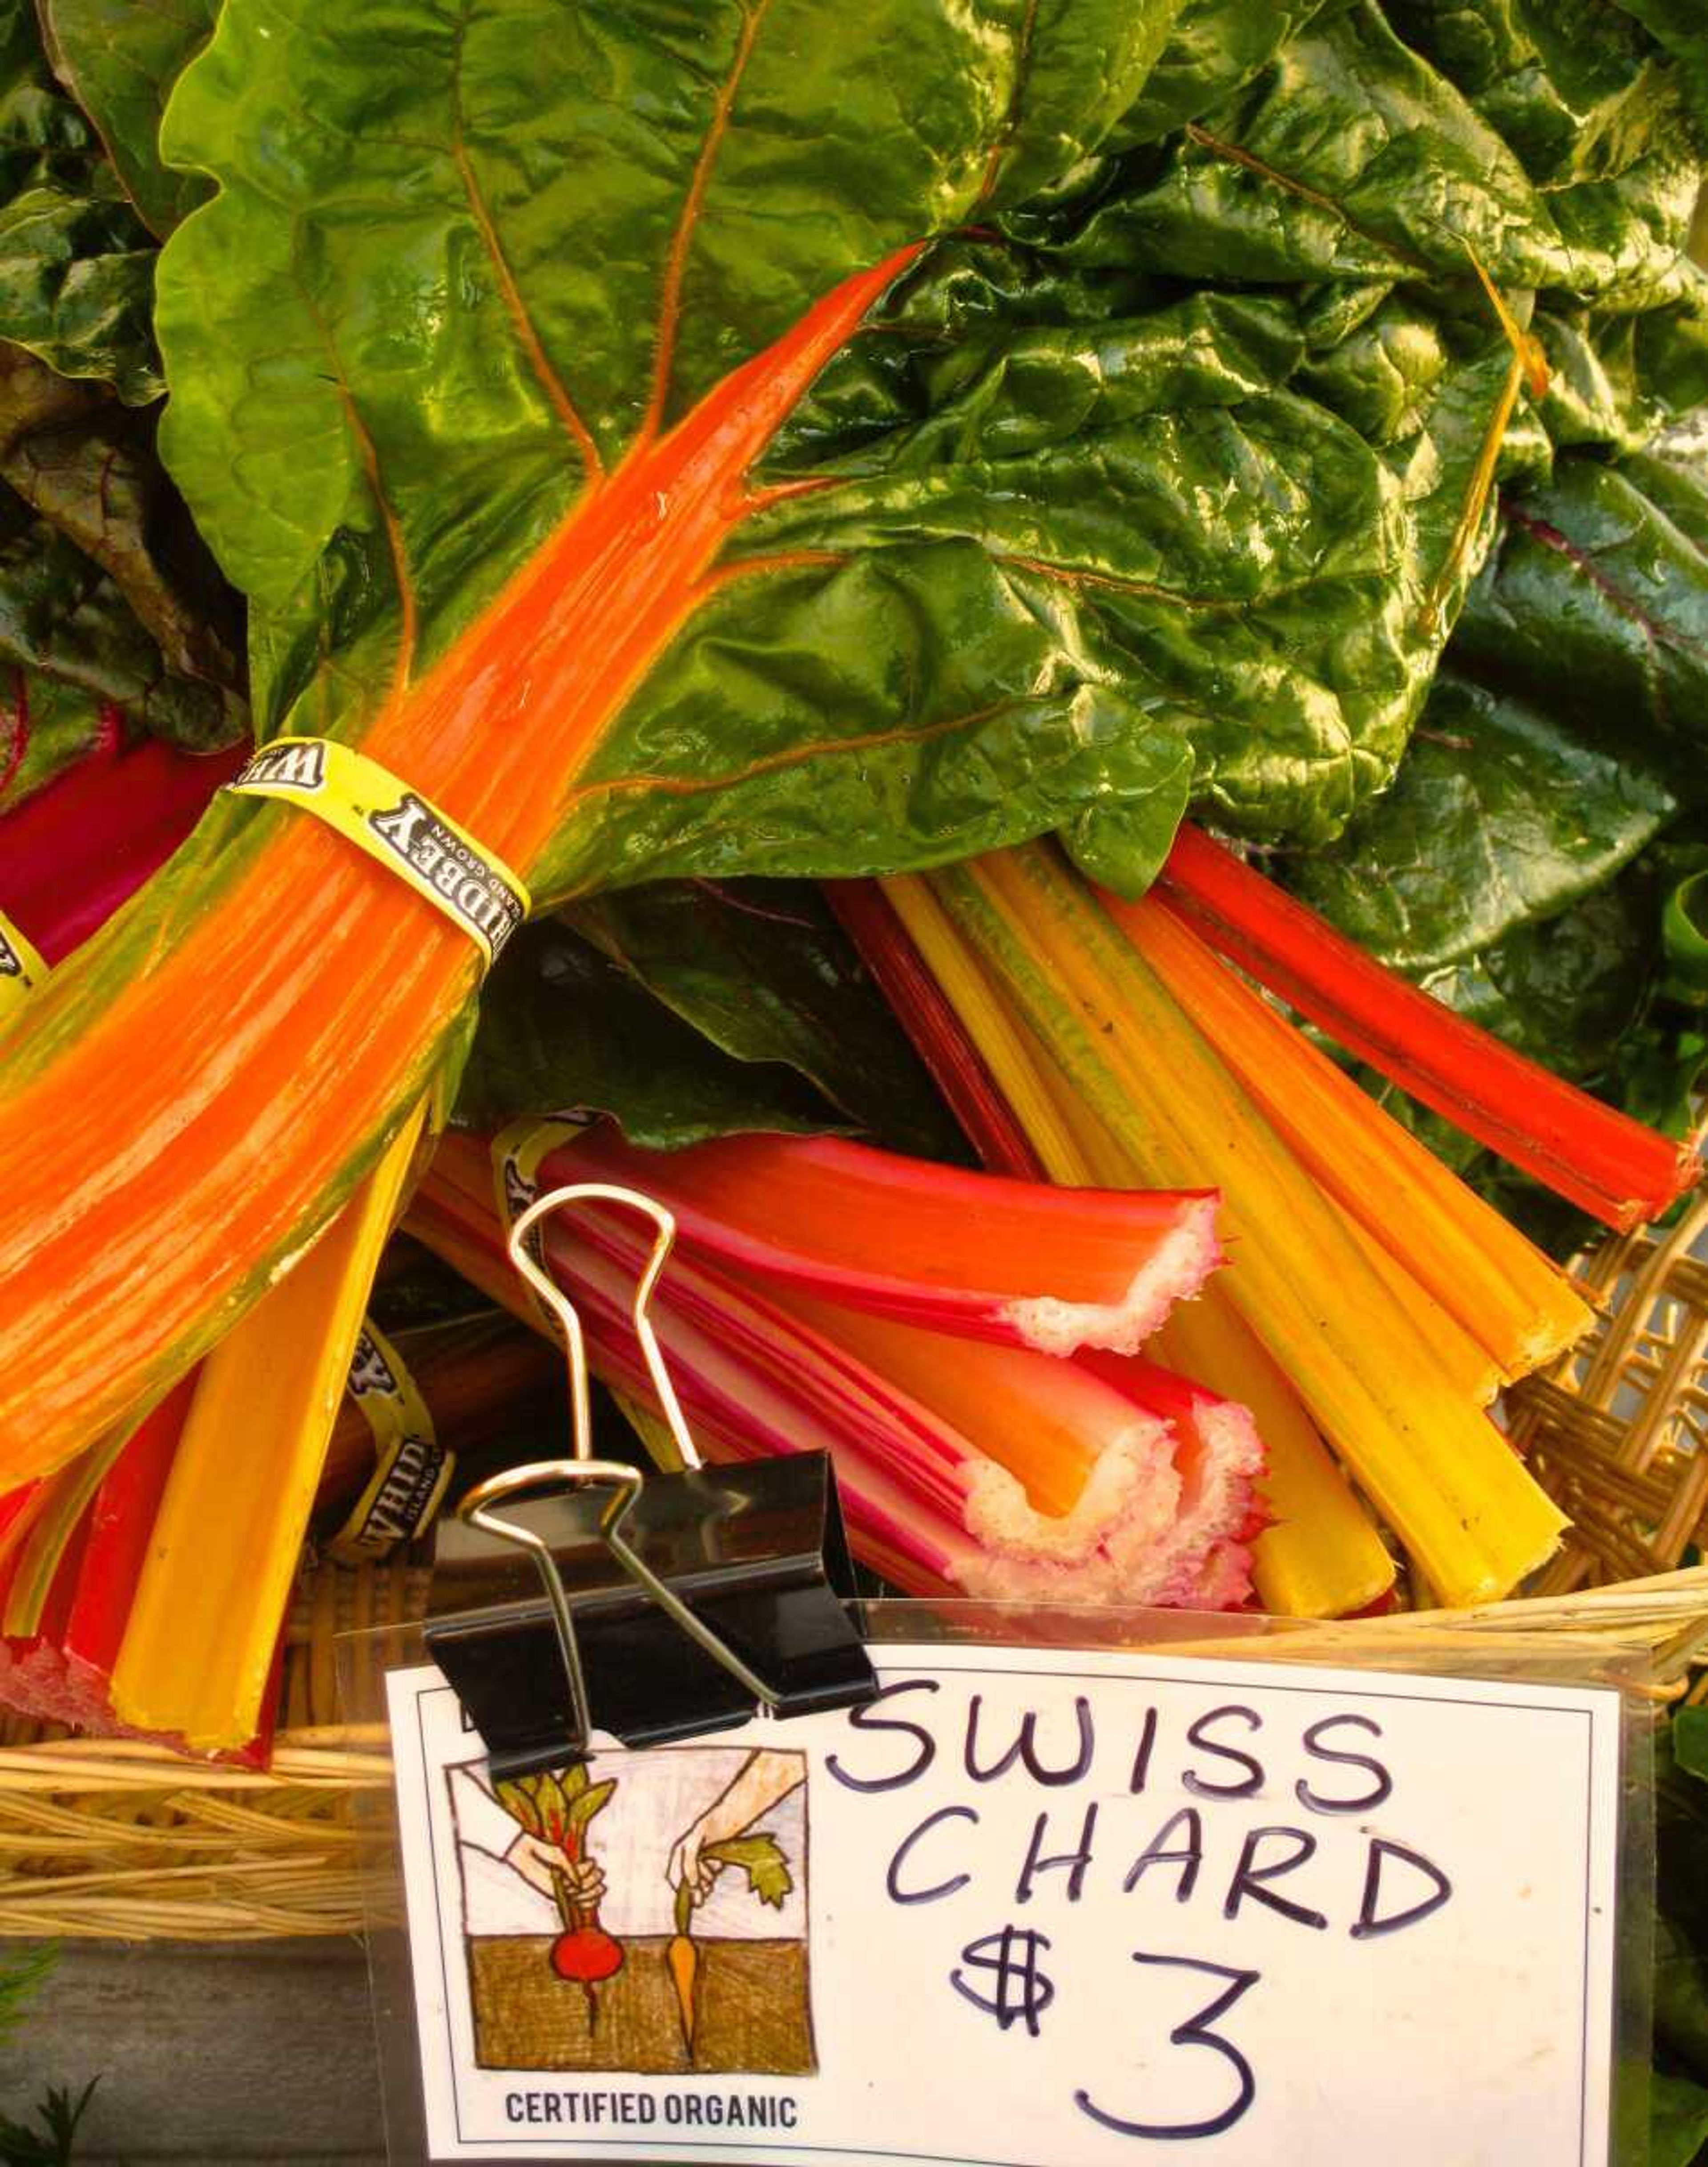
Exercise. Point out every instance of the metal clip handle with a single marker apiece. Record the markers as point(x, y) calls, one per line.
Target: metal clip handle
point(521, 1255)
point(584, 1470)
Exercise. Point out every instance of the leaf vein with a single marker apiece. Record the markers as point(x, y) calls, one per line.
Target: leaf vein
point(539, 361)
point(683, 785)
point(682, 239)
point(369, 457)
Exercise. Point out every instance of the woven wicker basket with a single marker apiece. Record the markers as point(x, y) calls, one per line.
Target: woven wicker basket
point(104, 1838)
point(1618, 1429)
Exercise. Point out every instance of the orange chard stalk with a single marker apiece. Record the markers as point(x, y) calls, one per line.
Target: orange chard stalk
point(1592, 1154)
point(216, 1087)
point(1079, 1436)
point(1365, 1362)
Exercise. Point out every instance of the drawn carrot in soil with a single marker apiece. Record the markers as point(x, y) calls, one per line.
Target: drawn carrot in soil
point(762, 1859)
point(556, 1809)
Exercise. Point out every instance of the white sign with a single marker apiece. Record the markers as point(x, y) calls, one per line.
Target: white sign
point(1031, 1909)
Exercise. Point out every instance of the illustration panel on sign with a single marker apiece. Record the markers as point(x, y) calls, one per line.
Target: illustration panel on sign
point(638, 1912)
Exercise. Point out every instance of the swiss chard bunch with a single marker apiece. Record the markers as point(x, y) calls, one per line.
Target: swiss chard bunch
point(707, 461)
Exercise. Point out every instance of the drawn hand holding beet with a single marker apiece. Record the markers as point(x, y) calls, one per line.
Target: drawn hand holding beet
point(551, 1853)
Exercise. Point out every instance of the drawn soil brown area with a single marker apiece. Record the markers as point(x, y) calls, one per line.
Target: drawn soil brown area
point(752, 2010)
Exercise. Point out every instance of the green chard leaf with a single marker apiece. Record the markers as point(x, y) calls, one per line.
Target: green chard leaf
point(1214, 48)
point(1047, 545)
point(1573, 85)
point(1689, 1737)
point(1351, 157)
point(1684, 934)
point(1566, 990)
point(764, 974)
point(111, 610)
point(1680, 29)
point(1595, 604)
point(841, 699)
point(563, 1027)
point(1680, 2000)
point(690, 1010)
point(76, 264)
point(1247, 574)
point(1501, 815)
point(112, 613)
point(1678, 2121)
point(120, 61)
point(1530, 862)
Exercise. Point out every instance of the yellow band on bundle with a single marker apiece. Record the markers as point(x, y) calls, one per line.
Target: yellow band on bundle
point(21, 969)
point(398, 827)
point(413, 1470)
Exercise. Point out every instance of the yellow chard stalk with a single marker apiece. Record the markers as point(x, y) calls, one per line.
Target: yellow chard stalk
point(1364, 1360)
point(1321, 1557)
point(198, 1647)
point(1517, 1304)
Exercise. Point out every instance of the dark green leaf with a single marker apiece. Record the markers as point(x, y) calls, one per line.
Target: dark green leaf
point(1680, 1999)
point(1678, 2121)
point(1501, 815)
point(76, 265)
point(1574, 86)
point(762, 970)
point(1351, 157)
point(901, 708)
point(1565, 990)
point(1066, 578)
point(1684, 932)
point(107, 609)
point(1595, 393)
point(1681, 1843)
point(49, 2145)
point(1235, 558)
point(1384, 375)
point(88, 467)
point(1596, 605)
point(562, 1027)
point(1681, 29)
point(1215, 48)
point(1690, 1741)
point(120, 61)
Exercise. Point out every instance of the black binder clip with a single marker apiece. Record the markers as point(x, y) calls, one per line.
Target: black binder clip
point(728, 1596)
